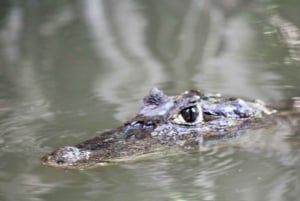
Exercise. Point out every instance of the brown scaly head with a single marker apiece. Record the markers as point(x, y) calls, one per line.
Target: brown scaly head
point(164, 124)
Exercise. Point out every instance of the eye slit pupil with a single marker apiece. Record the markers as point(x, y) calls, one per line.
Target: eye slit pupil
point(190, 114)
point(60, 162)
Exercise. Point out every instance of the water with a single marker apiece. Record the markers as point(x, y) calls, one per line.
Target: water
point(71, 69)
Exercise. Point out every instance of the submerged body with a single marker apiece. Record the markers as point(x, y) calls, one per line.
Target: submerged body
point(179, 123)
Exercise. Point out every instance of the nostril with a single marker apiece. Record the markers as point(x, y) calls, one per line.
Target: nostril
point(66, 156)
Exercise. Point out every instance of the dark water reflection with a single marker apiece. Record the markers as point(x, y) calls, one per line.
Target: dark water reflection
point(70, 69)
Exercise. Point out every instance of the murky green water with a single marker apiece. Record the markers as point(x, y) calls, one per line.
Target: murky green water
point(71, 69)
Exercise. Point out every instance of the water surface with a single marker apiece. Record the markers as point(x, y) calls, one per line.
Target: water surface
point(71, 69)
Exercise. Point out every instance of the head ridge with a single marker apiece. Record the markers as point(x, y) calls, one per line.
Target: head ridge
point(155, 97)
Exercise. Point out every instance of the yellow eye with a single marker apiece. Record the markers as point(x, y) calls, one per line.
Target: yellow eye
point(189, 116)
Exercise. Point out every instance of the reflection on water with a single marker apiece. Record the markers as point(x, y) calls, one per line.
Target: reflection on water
point(71, 70)
point(290, 36)
point(119, 39)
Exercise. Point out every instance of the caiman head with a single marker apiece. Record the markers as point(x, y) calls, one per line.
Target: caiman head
point(164, 123)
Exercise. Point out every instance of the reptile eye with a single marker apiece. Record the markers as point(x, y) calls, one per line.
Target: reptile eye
point(190, 114)
point(60, 162)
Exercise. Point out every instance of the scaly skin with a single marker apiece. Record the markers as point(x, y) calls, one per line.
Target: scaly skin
point(164, 123)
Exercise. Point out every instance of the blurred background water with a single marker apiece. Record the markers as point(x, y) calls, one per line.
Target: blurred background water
point(71, 69)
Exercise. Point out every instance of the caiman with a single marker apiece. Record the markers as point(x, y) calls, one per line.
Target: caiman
point(179, 123)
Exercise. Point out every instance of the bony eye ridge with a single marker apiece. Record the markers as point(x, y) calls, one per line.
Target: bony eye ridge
point(190, 114)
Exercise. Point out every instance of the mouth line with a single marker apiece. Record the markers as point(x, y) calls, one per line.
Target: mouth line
point(46, 160)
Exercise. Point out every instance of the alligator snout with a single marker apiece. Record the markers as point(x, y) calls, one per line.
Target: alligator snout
point(66, 157)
